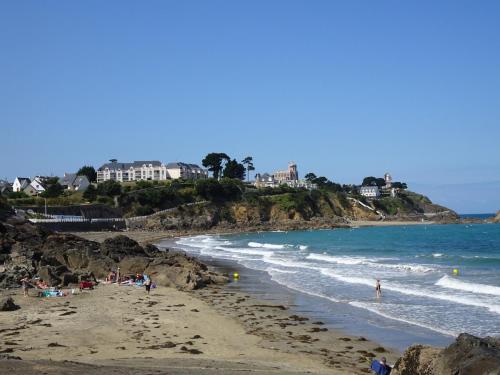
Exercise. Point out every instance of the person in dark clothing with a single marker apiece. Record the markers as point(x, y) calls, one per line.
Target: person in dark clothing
point(147, 284)
point(381, 367)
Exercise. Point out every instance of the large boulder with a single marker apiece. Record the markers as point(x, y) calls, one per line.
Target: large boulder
point(7, 304)
point(183, 272)
point(417, 359)
point(121, 246)
point(468, 355)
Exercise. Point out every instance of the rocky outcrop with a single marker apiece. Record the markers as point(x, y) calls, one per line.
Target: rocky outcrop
point(62, 259)
point(7, 304)
point(468, 355)
point(496, 219)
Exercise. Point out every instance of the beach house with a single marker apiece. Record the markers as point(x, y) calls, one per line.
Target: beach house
point(71, 181)
point(20, 183)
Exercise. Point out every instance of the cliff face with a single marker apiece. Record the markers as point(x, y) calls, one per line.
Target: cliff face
point(496, 219)
point(294, 211)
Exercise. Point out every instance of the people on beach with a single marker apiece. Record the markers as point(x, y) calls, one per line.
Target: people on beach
point(381, 367)
point(40, 284)
point(111, 276)
point(378, 289)
point(147, 284)
point(24, 286)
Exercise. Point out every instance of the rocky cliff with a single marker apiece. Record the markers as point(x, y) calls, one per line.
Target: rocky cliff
point(468, 355)
point(63, 259)
point(496, 219)
point(294, 211)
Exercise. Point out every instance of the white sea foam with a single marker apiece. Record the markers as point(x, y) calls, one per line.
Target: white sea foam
point(451, 283)
point(269, 258)
point(301, 289)
point(422, 292)
point(244, 250)
point(437, 255)
point(371, 263)
point(303, 247)
point(272, 269)
point(266, 245)
point(372, 308)
point(336, 259)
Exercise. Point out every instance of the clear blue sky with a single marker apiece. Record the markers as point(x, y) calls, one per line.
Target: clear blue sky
point(344, 88)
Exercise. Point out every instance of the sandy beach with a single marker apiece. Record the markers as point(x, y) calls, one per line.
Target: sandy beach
point(211, 329)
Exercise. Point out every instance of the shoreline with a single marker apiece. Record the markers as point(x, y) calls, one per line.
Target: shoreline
point(340, 317)
point(150, 237)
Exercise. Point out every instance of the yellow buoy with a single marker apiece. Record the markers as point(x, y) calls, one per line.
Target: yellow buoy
point(455, 271)
point(236, 275)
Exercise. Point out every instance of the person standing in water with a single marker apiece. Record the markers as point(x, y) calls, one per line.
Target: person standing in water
point(378, 289)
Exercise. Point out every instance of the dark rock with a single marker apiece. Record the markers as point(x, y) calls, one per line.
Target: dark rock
point(468, 355)
point(471, 355)
point(121, 246)
point(62, 259)
point(7, 304)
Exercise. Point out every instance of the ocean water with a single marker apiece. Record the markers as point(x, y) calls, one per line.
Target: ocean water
point(414, 263)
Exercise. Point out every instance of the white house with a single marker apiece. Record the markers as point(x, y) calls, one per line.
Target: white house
point(369, 191)
point(35, 187)
point(186, 171)
point(20, 183)
point(148, 170)
point(73, 182)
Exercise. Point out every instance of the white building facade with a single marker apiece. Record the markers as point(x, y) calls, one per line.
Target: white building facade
point(148, 170)
point(369, 191)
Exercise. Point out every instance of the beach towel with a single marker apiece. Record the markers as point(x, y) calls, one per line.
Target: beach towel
point(379, 368)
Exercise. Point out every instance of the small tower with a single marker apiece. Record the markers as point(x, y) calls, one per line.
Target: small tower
point(388, 180)
point(292, 171)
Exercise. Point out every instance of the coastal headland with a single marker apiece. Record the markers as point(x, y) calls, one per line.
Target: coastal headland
point(190, 324)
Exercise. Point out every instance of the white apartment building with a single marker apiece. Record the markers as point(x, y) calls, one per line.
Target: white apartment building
point(369, 191)
point(153, 170)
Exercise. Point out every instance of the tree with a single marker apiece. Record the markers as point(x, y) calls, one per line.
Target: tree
point(89, 172)
point(90, 194)
point(234, 169)
point(109, 188)
point(400, 185)
point(52, 190)
point(213, 162)
point(248, 161)
point(310, 177)
point(373, 181)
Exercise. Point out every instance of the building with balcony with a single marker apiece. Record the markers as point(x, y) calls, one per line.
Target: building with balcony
point(152, 170)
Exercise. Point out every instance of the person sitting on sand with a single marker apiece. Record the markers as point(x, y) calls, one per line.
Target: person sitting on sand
point(41, 284)
point(111, 277)
point(378, 289)
point(381, 367)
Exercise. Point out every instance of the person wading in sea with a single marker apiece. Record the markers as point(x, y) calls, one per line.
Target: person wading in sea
point(378, 289)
